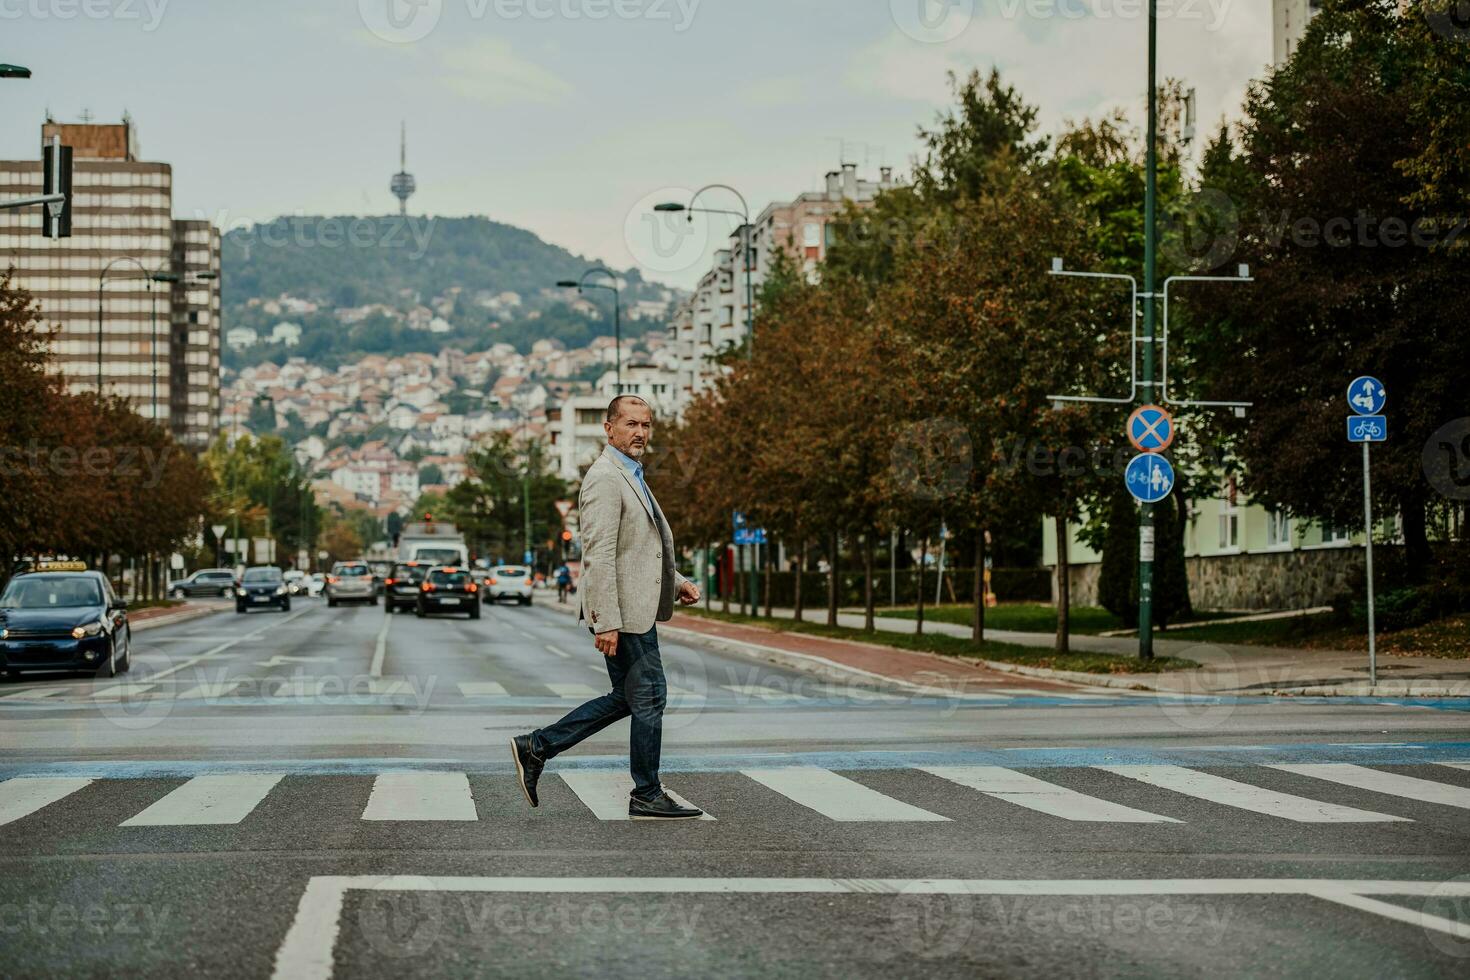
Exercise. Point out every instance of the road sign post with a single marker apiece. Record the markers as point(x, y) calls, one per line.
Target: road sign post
point(1366, 397)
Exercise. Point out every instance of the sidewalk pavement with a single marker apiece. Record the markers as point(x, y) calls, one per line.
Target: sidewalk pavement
point(156, 616)
point(1234, 669)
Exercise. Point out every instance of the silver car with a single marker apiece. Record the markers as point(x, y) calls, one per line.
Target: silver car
point(352, 581)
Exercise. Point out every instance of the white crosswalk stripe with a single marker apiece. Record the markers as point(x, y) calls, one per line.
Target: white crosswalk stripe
point(1037, 794)
point(836, 796)
point(574, 690)
point(440, 796)
point(32, 693)
point(127, 689)
point(1389, 783)
point(763, 693)
point(472, 689)
point(1243, 796)
point(209, 691)
point(1456, 765)
point(606, 794)
point(216, 799)
point(25, 795)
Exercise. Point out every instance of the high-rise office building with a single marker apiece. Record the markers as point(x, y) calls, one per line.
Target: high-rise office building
point(1288, 23)
point(157, 342)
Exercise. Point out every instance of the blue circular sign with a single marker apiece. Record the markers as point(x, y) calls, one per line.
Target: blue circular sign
point(1151, 429)
point(1150, 477)
point(1366, 396)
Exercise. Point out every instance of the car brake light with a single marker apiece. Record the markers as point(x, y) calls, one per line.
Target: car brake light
point(472, 587)
point(389, 581)
point(428, 586)
point(331, 580)
point(492, 581)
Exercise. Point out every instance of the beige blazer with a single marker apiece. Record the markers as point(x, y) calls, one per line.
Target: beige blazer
point(628, 577)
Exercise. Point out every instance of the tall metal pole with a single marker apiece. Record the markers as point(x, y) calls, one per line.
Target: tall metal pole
point(1368, 533)
point(153, 349)
point(526, 493)
point(618, 334)
point(1146, 515)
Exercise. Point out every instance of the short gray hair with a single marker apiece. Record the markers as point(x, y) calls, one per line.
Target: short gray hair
point(615, 407)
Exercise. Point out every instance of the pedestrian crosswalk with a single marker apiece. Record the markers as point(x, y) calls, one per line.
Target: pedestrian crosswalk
point(936, 794)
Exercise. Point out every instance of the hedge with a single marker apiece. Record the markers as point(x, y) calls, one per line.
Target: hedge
point(1009, 585)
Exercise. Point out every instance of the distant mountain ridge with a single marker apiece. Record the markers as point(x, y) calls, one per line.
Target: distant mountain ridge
point(462, 269)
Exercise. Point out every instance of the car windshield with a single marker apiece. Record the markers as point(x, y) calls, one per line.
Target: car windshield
point(38, 592)
point(441, 576)
point(262, 575)
point(511, 571)
point(350, 571)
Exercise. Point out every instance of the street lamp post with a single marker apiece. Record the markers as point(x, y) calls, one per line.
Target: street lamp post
point(612, 287)
point(101, 281)
point(747, 239)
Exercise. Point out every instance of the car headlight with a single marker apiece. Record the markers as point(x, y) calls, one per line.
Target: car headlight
point(90, 629)
point(241, 593)
point(280, 590)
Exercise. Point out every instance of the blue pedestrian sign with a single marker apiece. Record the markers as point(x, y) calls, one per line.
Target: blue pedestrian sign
point(1367, 428)
point(1366, 396)
point(1150, 477)
point(1151, 429)
point(745, 534)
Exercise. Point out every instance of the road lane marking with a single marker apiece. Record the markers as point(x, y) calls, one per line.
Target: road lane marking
point(27, 794)
point(439, 796)
point(217, 799)
point(1037, 794)
point(221, 648)
point(574, 690)
point(837, 797)
point(209, 690)
point(380, 650)
point(1456, 765)
point(306, 952)
point(125, 689)
point(472, 689)
point(33, 693)
point(1378, 781)
point(607, 794)
point(763, 693)
point(1243, 796)
point(559, 652)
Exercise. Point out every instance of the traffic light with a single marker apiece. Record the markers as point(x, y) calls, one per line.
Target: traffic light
point(56, 179)
point(566, 535)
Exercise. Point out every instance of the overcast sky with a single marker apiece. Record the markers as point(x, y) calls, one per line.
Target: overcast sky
point(570, 117)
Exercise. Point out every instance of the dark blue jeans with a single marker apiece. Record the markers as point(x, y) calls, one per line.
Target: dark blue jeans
point(638, 690)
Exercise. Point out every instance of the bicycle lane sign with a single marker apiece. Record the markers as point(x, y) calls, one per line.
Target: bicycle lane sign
point(1367, 428)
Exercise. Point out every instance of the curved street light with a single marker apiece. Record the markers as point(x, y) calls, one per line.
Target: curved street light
point(747, 241)
point(612, 286)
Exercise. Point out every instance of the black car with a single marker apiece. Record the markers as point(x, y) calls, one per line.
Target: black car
point(447, 589)
point(401, 587)
point(63, 617)
point(206, 581)
point(263, 587)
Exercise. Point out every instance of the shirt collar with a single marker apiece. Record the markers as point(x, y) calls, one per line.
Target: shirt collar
point(629, 463)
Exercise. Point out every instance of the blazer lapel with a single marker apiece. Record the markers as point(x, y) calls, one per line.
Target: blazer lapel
point(613, 459)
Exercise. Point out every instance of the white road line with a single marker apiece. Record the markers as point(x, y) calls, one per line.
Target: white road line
point(763, 693)
point(307, 949)
point(214, 799)
point(1243, 796)
point(1039, 693)
point(27, 794)
point(380, 650)
point(1390, 783)
point(125, 689)
point(33, 693)
point(209, 690)
point(837, 797)
point(1456, 765)
point(221, 648)
point(606, 794)
point(1037, 794)
point(472, 689)
point(421, 796)
point(574, 690)
point(559, 652)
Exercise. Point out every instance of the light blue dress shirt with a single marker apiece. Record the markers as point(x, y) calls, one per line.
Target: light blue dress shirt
point(635, 469)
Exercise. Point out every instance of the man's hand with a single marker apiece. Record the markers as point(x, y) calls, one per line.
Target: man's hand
point(688, 594)
point(607, 643)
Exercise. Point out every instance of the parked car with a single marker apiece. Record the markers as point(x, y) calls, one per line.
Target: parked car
point(262, 587)
point(448, 589)
point(352, 581)
point(509, 582)
point(295, 581)
point(206, 581)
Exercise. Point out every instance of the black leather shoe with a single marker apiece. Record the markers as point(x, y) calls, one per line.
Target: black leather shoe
point(661, 808)
point(528, 767)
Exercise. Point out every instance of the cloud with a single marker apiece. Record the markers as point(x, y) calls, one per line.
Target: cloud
point(490, 71)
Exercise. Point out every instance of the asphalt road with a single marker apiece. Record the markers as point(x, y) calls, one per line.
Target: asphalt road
point(328, 793)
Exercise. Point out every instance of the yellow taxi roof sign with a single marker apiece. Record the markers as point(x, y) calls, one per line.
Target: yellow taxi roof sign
point(60, 566)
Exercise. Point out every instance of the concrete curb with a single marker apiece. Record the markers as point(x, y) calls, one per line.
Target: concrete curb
point(171, 618)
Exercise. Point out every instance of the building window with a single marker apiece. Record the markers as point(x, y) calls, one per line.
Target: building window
point(1278, 529)
point(1229, 518)
point(811, 235)
point(1336, 534)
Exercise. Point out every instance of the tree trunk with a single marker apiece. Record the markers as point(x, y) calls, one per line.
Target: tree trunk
point(832, 580)
point(919, 605)
point(726, 573)
point(766, 585)
point(1417, 556)
point(800, 568)
point(1064, 587)
point(868, 581)
point(708, 585)
point(977, 620)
